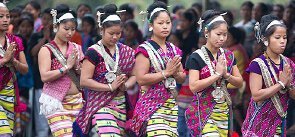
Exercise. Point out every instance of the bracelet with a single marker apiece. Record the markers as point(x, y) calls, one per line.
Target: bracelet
point(228, 77)
point(111, 88)
point(61, 71)
point(218, 74)
point(163, 73)
point(282, 84)
point(125, 84)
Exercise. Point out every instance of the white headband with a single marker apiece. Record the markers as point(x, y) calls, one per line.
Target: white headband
point(218, 18)
point(274, 22)
point(2, 5)
point(156, 10)
point(65, 16)
point(112, 18)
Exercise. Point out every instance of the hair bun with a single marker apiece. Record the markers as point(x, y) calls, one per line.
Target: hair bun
point(110, 9)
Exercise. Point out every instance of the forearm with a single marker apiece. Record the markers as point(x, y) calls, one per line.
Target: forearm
point(235, 81)
point(21, 67)
point(180, 77)
point(199, 85)
point(266, 93)
point(150, 78)
point(2, 62)
point(130, 82)
point(52, 75)
point(94, 85)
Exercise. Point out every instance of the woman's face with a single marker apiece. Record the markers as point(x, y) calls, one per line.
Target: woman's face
point(66, 30)
point(4, 19)
point(162, 25)
point(218, 36)
point(29, 8)
point(184, 24)
point(111, 35)
point(14, 18)
point(129, 32)
point(26, 28)
point(82, 11)
point(278, 40)
point(86, 27)
point(246, 12)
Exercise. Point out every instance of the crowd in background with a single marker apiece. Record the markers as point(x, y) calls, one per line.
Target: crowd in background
point(33, 24)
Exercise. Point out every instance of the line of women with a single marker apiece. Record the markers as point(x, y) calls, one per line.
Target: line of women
point(109, 69)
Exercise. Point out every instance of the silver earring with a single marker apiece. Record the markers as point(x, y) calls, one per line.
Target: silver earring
point(54, 30)
point(151, 29)
point(265, 43)
point(206, 36)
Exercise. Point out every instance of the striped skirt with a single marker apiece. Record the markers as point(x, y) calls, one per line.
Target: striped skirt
point(7, 109)
point(61, 122)
point(164, 121)
point(110, 120)
point(217, 124)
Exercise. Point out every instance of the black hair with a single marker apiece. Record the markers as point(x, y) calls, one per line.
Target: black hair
point(198, 6)
point(16, 10)
point(208, 16)
point(157, 4)
point(237, 34)
point(265, 21)
point(280, 6)
point(127, 6)
point(248, 4)
point(110, 9)
point(26, 16)
point(35, 5)
point(132, 24)
point(264, 8)
point(177, 7)
point(228, 17)
point(85, 5)
point(47, 11)
point(62, 8)
point(192, 16)
point(89, 19)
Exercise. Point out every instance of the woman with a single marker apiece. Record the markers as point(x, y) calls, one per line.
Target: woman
point(129, 30)
point(88, 31)
point(107, 74)
point(188, 33)
point(36, 42)
point(34, 8)
point(272, 82)
point(59, 67)
point(158, 69)
point(12, 59)
point(210, 69)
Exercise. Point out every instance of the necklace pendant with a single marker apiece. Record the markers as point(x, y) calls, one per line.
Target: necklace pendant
point(110, 76)
point(217, 94)
point(170, 83)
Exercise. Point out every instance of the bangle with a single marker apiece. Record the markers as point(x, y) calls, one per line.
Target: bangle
point(163, 73)
point(125, 84)
point(282, 84)
point(61, 71)
point(111, 88)
point(228, 77)
point(218, 74)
